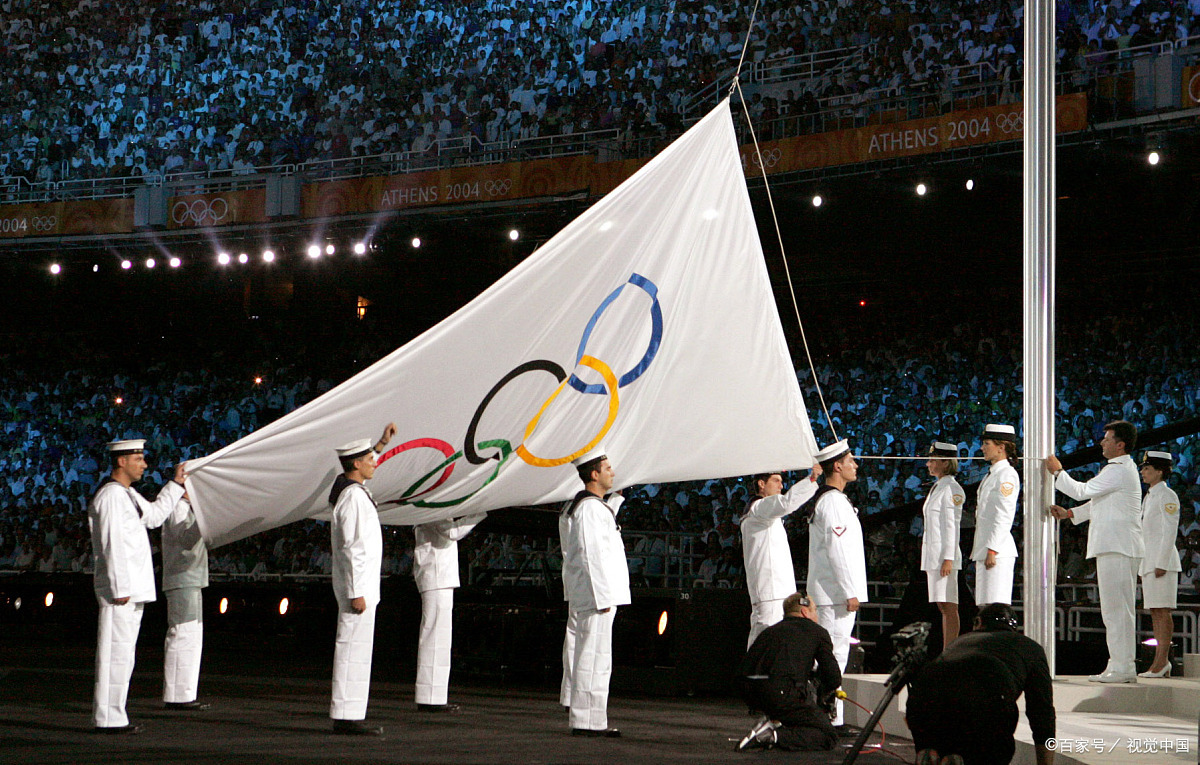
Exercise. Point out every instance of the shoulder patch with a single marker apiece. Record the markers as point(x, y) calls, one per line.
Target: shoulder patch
point(1170, 508)
point(1006, 489)
point(958, 499)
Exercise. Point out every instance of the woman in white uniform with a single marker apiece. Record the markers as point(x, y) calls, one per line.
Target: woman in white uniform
point(995, 550)
point(941, 557)
point(1160, 567)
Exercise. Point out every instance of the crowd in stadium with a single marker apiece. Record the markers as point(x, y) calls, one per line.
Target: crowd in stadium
point(890, 390)
point(92, 89)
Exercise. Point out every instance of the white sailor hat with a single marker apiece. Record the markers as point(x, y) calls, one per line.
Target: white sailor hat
point(1000, 432)
point(593, 455)
point(354, 448)
point(128, 446)
point(1157, 458)
point(943, 449)
point(833, 451)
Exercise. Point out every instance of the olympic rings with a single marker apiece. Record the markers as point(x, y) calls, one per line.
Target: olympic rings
point(200, 212)
point(1010, 123)
point(45, 222)
point(656, 331)
point(529, 366)
point(505, 451)
point(432, 443)
point(613, 408)
point(497, 188)
point(770, 158)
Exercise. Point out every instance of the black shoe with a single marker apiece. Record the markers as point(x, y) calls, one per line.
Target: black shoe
point(761, 736)
point(119, 730)
point(438, 707)
point(607, 733)
point(356, 728)
point(186, 706)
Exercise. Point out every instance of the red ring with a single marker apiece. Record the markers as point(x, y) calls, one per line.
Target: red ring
point(431, 443)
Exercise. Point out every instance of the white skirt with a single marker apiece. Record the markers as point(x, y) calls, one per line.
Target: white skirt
point(942, 589)
point(1160, 591)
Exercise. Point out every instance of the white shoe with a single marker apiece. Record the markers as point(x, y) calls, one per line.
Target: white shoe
point(1114, 677)
point(761, 735)
point(1164, 672)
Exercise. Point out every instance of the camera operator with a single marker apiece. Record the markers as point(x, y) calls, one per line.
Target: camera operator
point(780, 680)
point(965, 701)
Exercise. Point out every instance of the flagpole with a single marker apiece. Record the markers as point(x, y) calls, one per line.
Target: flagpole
point(1039, 256)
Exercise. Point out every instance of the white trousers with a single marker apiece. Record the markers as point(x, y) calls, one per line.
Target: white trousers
point(184, 645)
point(1117, 576)
point(838, 621)
point(591, 669)
point(568, 659)
point(352, 663)
point(116, 644)
point(763, 614)
point(433, 647)
point(994, 585)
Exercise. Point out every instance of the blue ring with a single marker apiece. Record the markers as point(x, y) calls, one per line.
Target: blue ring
point(656, 331)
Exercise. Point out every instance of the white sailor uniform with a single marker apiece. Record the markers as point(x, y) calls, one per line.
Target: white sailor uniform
point(185, 574)
point(435, 569)
point(995, 511)
point(942, 514)
point(595, 580)
point(837, 571)
point(118, 518)
point(1114, 508)
point(1160, 524)
point(770, 576)
point(357, 547)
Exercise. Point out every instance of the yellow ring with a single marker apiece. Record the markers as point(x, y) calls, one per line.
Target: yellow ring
point(614, 405)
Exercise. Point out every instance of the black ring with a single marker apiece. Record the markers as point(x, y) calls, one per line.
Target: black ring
point(544, 365)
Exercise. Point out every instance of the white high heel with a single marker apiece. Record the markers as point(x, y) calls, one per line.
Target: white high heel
point(1164, 672)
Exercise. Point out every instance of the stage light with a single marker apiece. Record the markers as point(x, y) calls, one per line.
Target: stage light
point(662, 623)
point(243, 258)
point(126, 264)
point(223, 606)
point(55, 269)
point(49, 599)
point(223, 258)
point(817, 201)
point(17, 604)
point(854, 641)
point(514, 235)
point(922, 189)
point(268, 256)
point(1151, 642)
point(1154, 157)
point(258, 381)
point(862, 304)
point(970, 184)
point(283, 607)
point(95, 268)
point(118, 401)
point(330, 249)
point(314, 251)
point(150, 263)
point(416, 242)
point(176, 262)
point(360, 248)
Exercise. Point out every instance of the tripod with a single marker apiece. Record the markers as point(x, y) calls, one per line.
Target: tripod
point(910, 657)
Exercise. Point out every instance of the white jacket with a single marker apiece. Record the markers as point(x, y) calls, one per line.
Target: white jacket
point(435, 557)
point(995, 511)
point(837, 561)
point(1114, 507)
point(185, 556)
point(1160, 524)
point(120, 544)
point(357, 546)
point(765, 549)
point(595, 572)
point(942, 514)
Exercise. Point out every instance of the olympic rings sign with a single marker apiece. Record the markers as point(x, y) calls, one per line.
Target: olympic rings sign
point(497, 188)
point(200, 212)
point(1011, 123)
point(45, 222)
point(770, 158)
point(503, 448)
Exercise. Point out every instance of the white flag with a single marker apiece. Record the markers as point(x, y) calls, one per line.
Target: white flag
point(648, 324)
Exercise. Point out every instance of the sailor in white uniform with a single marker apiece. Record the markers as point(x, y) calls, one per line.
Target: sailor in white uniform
point(1114, 507)
point(837, 561)
point(118, 518)
point(1161, 566)
point(357, 548)
point(435, 569)
point(995, 550)
point(770, 576)
point(595, 583)
point(941, 557)
point(184, 575)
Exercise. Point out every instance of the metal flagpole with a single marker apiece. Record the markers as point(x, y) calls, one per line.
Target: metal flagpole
point(1041, 537)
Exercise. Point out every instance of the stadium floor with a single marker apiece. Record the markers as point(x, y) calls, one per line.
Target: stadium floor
point(45, 705)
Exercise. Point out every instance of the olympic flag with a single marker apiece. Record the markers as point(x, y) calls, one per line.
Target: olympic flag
point(647, 324)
